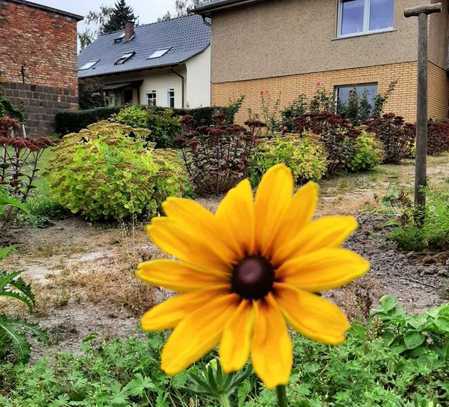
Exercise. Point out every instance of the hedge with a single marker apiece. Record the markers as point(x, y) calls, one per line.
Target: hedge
point(73, 122)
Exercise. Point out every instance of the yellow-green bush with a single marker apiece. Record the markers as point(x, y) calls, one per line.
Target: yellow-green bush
point(368, 153)
point(305, 157)
point(107, 172)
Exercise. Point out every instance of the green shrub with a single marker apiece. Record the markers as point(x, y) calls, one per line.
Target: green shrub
point(368, 153)
point(305, 157)
point(72, 122)
point(106, 172)
point(134, 116)
point(433, 235)
point(7, 109)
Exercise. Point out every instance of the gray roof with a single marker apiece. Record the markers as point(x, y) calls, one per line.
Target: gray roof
point(209, 7)
point(184, 36)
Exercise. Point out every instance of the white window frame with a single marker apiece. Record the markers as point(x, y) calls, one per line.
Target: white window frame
point(89, 65)
point(366, 21)
point(125, 58)
point(153, 92)
point(159, 53)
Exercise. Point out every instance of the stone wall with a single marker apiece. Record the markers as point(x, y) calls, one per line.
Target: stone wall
point(38, 59)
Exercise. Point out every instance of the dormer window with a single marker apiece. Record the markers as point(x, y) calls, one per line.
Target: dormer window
point(119, 39)
point(88, 65)
point(159, 53)
point(125, 58)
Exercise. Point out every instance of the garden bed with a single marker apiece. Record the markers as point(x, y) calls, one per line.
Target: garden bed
point(84, 282)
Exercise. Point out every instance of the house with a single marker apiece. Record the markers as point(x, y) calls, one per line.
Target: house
point(289, 47)
point(165, 64)
point(38, 48)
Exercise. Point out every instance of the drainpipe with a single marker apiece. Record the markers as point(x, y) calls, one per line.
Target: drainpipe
point(183, 80)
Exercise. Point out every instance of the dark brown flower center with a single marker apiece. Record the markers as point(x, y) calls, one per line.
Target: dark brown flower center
point(253, 278)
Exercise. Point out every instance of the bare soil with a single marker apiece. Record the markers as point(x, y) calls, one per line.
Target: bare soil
point(83, 274)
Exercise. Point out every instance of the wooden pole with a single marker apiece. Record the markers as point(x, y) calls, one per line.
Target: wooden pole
point(422, 13)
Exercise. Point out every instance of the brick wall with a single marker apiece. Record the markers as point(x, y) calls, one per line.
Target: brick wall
point(287, 88)
point(38, 62)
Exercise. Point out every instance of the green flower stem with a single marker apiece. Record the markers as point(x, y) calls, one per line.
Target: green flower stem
point(224, 401)
point(281, 392)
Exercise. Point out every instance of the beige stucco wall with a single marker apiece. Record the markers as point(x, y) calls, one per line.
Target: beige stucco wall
point(438, 36)
point(286, 37)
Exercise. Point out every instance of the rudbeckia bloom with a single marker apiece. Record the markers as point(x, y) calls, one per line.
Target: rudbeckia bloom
point(245, 272)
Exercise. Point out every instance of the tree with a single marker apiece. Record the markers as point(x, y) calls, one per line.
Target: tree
point(120, 15)
point(182, 9)
point(95, 20)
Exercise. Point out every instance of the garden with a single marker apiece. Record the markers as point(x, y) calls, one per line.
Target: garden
point(92, 218)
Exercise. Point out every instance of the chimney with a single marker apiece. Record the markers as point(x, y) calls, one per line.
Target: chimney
point(129, 31)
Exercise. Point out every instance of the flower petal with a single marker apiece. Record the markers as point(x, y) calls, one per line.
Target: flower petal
point(299, 214)
point(273, 199)
point(236, 214)
point(178, 276)
point(236, 341)
point(199, 221)
point(271, 349)
point(197, 334)
point(174, 239)
point(323, 270)
point(326, 232)
point(311, 315)
point(169, 313)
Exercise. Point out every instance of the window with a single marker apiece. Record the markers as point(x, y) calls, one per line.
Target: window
point(171, 98)
point(88, 65)
point(119, 39)
point(124, 58)
point(357, 17)
point(159, 53)
point(152, 98)
point(343, 93)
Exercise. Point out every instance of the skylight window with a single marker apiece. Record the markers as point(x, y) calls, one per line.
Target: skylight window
point(159, 53)
point(119, 38)
point(88, 65)
point(125, 57)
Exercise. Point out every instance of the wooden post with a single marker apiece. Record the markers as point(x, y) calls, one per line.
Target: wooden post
point(422, 106)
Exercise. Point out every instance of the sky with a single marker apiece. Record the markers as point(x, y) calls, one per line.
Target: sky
point(147, 10)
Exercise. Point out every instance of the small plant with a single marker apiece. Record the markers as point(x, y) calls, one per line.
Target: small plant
point(7, 109)
point(134, 116)
point(396, 136)
point(218, 156)
point(438, 137)
point(305, 157)
point(368, 153)
point(107, 172)
point(296, 109)
point(13, 340)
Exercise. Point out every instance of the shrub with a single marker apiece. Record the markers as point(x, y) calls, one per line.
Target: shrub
point(72, 122)
point(296, 109)
point(7, 109)
point(217, 157)
point(438, 137)
point(134, 116)
point(335, 133)
point(368, 153)
point(396, 136)
point(306, 158)
point(102, 173)
point(433, 235)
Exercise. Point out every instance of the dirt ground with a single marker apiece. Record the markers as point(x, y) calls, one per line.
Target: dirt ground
point(83, 274)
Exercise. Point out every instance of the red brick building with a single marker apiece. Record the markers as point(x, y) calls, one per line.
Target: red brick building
point(38, 61)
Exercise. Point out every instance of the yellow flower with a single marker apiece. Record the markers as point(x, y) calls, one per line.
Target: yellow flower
point(245, 271)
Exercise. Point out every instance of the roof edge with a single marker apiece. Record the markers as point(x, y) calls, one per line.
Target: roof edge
point(216, 6)
point(76, 17)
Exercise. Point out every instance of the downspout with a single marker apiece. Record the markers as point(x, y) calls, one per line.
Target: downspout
point(183, 80)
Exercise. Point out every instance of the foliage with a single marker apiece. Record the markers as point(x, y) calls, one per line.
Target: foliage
point(305, 157)
point(107, 172)
point(396, 136)
point(91, 94)
point(434, 234)
point(217, 157)
point(182, 8)
point(93, 22)
point(384, 362)
point(335, 133)
point(296, 109)
point(118, 17)
point(13, 331)
point(72, 122)
point(7, 109)
point(438, 137)
point(134, 116)
point(368, 153)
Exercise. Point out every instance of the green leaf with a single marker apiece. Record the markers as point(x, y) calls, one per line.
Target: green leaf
point(413, 340)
